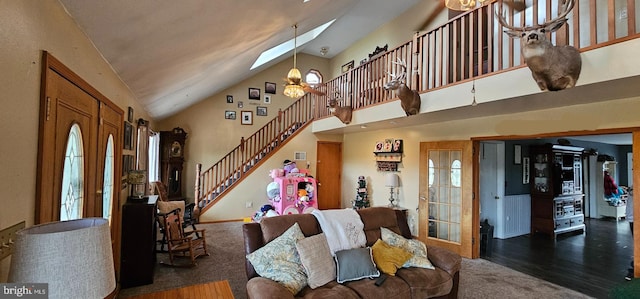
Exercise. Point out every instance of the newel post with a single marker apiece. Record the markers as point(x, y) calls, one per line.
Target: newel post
point(197, 186)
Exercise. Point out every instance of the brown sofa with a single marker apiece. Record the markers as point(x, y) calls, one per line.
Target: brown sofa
point(408, 282)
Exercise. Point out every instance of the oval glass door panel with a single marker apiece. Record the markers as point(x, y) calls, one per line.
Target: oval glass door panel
point(72, 197)
point(107, 184)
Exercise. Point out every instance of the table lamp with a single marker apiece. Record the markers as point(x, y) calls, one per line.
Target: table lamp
point(391, 181)
point(138, 181)
point(72, 257)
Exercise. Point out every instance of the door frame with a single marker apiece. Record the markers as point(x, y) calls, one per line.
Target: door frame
point(635, 148)
point(43, 195)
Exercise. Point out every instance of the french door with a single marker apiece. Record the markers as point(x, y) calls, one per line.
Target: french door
point(446, 205)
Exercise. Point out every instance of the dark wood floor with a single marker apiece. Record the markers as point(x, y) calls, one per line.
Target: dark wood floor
point(591, 263)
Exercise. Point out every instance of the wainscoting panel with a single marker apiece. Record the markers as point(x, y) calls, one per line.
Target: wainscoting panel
point(514, 216)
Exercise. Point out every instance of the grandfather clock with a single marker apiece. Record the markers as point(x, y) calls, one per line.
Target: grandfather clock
point(172, 160)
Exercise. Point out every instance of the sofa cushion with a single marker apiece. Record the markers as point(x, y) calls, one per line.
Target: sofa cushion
point(393, 287)
point(317, 260)
point(426, 283)
point(415, 247)
point(376, 217)
point(278, 260)
point(331, 290)
point(354, 264)
point(389, 258)
point(272, 227)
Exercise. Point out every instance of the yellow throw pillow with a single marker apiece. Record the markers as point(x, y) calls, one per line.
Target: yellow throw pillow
point(389, 258)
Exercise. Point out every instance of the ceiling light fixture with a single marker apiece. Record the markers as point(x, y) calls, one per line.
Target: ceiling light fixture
point(324, 51)
point(463, 5)
point(293, 89)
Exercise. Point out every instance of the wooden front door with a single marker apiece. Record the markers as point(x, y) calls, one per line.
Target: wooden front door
point(79, 154)
point(446, 205)
point(329, 174)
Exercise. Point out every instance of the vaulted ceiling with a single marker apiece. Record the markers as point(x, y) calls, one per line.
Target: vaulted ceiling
point(172, 54)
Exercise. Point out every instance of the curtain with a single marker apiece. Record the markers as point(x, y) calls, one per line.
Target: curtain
point(142, 155)
point(154, 156)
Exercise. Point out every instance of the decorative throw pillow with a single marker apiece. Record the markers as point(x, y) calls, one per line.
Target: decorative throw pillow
point(354, 264)
point(389, 258)
point(415, 247)
point(168, 206)
point(317, 260)
point(279, 261)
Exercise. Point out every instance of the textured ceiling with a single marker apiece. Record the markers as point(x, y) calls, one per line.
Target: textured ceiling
point(172, 54)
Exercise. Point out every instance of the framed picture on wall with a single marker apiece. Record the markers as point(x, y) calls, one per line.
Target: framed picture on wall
point(128, 136)
point(229, 114)
point(269, 87)
point(254, 93)
point(229, 99)
point(517, 154)
point(261, 111)
point(246, 117)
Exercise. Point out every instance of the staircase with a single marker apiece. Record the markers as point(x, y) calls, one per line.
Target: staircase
point(469, 46)
point(218, 179)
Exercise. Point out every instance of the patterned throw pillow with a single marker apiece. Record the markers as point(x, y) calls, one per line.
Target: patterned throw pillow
point(355, 264)
point(415, 247)
point(389, 258)
point(317, 260)
point(279, 261)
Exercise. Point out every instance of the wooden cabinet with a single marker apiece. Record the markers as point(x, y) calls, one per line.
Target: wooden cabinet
point(171, 161)
point(138, 257)
point(557, 200)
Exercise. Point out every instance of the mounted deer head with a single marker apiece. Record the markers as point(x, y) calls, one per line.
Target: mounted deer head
point(409, 99)
point(553, 67)
point(343, 113)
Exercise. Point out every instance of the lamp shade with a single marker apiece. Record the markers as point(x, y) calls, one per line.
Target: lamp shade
point(73, 257)
point(391, 180)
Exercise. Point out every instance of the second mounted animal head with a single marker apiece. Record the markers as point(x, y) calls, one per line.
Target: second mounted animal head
point(552, 67)
point(409, 99)
point(343, 113)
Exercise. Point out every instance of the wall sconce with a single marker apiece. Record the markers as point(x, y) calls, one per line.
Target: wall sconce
point(391, 181)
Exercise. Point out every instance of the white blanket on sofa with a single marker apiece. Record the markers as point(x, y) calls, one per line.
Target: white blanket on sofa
point(343, 228)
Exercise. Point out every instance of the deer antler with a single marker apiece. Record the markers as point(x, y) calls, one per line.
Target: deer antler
point(566, 8)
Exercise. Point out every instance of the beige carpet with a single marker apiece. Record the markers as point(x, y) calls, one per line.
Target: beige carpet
point(478, 278)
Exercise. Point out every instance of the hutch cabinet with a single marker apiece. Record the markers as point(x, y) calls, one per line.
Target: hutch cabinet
point(557, 199)
point(171, 161)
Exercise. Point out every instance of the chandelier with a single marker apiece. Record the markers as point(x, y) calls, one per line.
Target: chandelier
point(463, 5)
point(294, 89)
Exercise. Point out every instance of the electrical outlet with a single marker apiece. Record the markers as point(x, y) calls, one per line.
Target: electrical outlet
point(8, 239)
point(248, 204)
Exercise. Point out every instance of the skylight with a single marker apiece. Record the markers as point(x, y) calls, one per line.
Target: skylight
point(287, 46)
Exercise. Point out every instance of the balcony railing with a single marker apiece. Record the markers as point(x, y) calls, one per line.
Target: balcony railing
point(467, 47)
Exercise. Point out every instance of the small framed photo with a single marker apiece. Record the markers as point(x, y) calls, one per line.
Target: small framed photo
point(246, 117)
point(379, 147)
point(261, 111)
point(128, 135)
point(229, 99)
point(388, 145)
point(267, 99)
point(240, 104)
point(269, 87)
point(130, 115)
point(397, 146)
point(229, 114)
point(254, 93)
point(347, 66)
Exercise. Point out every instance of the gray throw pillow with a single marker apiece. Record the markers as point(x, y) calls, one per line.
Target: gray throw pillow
point(354, 264)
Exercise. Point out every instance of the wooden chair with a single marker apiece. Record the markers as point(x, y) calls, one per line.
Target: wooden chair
point(165, 206)
point(181, 243)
